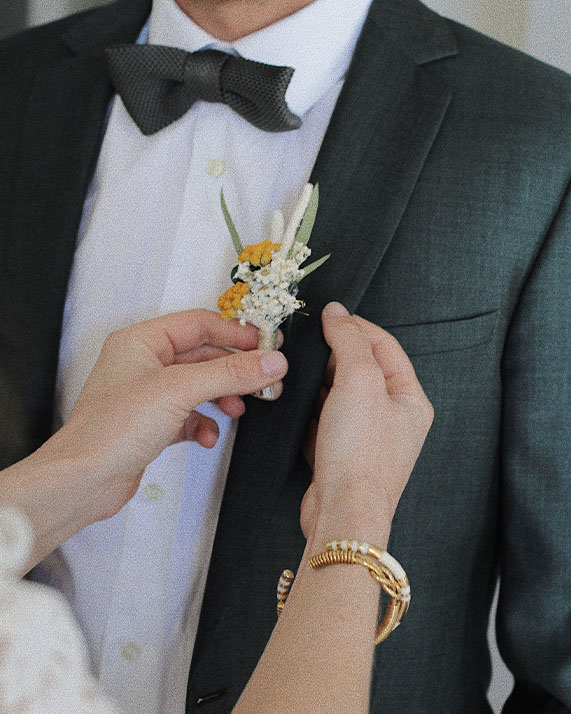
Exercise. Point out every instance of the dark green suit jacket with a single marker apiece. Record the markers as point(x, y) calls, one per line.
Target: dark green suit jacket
point(444, 179)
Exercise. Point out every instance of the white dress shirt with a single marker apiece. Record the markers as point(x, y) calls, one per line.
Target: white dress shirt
point(153, 240)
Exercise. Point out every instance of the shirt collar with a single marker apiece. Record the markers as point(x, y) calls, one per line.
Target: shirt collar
point(317, 41)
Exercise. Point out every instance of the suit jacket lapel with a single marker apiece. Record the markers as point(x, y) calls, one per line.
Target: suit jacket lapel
point(383, 127)
point(62, 129)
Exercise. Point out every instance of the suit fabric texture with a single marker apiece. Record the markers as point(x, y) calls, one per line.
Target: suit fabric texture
point(444, 182)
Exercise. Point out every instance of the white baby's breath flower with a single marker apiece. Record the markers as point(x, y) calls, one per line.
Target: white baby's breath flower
point(268, 273)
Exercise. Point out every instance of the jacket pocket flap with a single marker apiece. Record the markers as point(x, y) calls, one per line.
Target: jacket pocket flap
point(445, 336)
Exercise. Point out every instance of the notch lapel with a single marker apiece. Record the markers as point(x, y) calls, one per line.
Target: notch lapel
point(384, 124)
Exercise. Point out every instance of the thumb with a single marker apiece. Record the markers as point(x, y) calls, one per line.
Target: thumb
point(236, 373)
point(350, 346)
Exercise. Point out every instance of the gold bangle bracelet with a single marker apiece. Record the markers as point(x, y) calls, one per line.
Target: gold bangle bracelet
point(382, 567)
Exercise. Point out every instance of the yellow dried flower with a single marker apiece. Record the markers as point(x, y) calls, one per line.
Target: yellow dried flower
point(230, 300)
point(259, 254)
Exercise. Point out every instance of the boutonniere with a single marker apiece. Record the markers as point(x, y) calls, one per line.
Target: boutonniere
point(266, 279)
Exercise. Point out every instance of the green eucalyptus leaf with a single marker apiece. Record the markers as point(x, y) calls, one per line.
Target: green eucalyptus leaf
point(233, 277)
point(230, 223)
point(306, 226)
point(313, 266)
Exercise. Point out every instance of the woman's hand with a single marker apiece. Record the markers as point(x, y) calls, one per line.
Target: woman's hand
point(371, 422)
point(141, 394)
point(139, 399)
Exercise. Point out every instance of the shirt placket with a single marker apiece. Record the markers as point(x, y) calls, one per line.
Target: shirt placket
point(136, 641)
point(133, 645)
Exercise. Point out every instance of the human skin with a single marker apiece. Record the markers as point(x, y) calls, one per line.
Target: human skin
point(228, 20)
point(369, 427)
point(139, 399)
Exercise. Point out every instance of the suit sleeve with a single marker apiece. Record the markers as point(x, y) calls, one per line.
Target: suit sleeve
point(534, 613)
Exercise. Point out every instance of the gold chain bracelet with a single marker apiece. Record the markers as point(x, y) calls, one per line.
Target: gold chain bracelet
point(383, 568)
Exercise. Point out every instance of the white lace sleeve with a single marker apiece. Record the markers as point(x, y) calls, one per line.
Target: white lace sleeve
point(43, 657)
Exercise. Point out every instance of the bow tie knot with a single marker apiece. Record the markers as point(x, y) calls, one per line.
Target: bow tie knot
point(160, 84)
point(203, 74)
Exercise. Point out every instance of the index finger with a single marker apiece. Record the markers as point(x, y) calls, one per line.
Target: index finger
point(181, 332)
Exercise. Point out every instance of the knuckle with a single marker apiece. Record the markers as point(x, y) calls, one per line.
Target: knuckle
point(427, 412)
point(113, 337)
point(237, 370)
point(117, 339)
point(420, 412)
point(205, 317)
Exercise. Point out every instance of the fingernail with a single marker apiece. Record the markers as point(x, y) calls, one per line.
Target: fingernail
point(335, 309)
point(266, 393)
point(273, 363)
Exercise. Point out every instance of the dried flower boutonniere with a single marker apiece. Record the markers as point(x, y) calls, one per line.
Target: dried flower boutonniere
point(266, 279)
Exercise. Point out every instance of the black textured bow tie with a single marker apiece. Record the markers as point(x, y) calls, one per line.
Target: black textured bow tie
point(159, 84)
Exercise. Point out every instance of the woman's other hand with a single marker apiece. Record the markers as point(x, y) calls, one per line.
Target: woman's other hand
point(371, 422)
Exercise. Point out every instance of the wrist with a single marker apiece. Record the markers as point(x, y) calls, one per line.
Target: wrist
point(52, 487)
point(352, 517)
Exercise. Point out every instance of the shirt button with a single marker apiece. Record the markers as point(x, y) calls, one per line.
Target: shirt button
point(153, 492)
point(215, 168)
point(130, 651)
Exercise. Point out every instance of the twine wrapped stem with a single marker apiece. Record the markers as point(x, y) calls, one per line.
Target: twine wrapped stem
point(267, 340)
